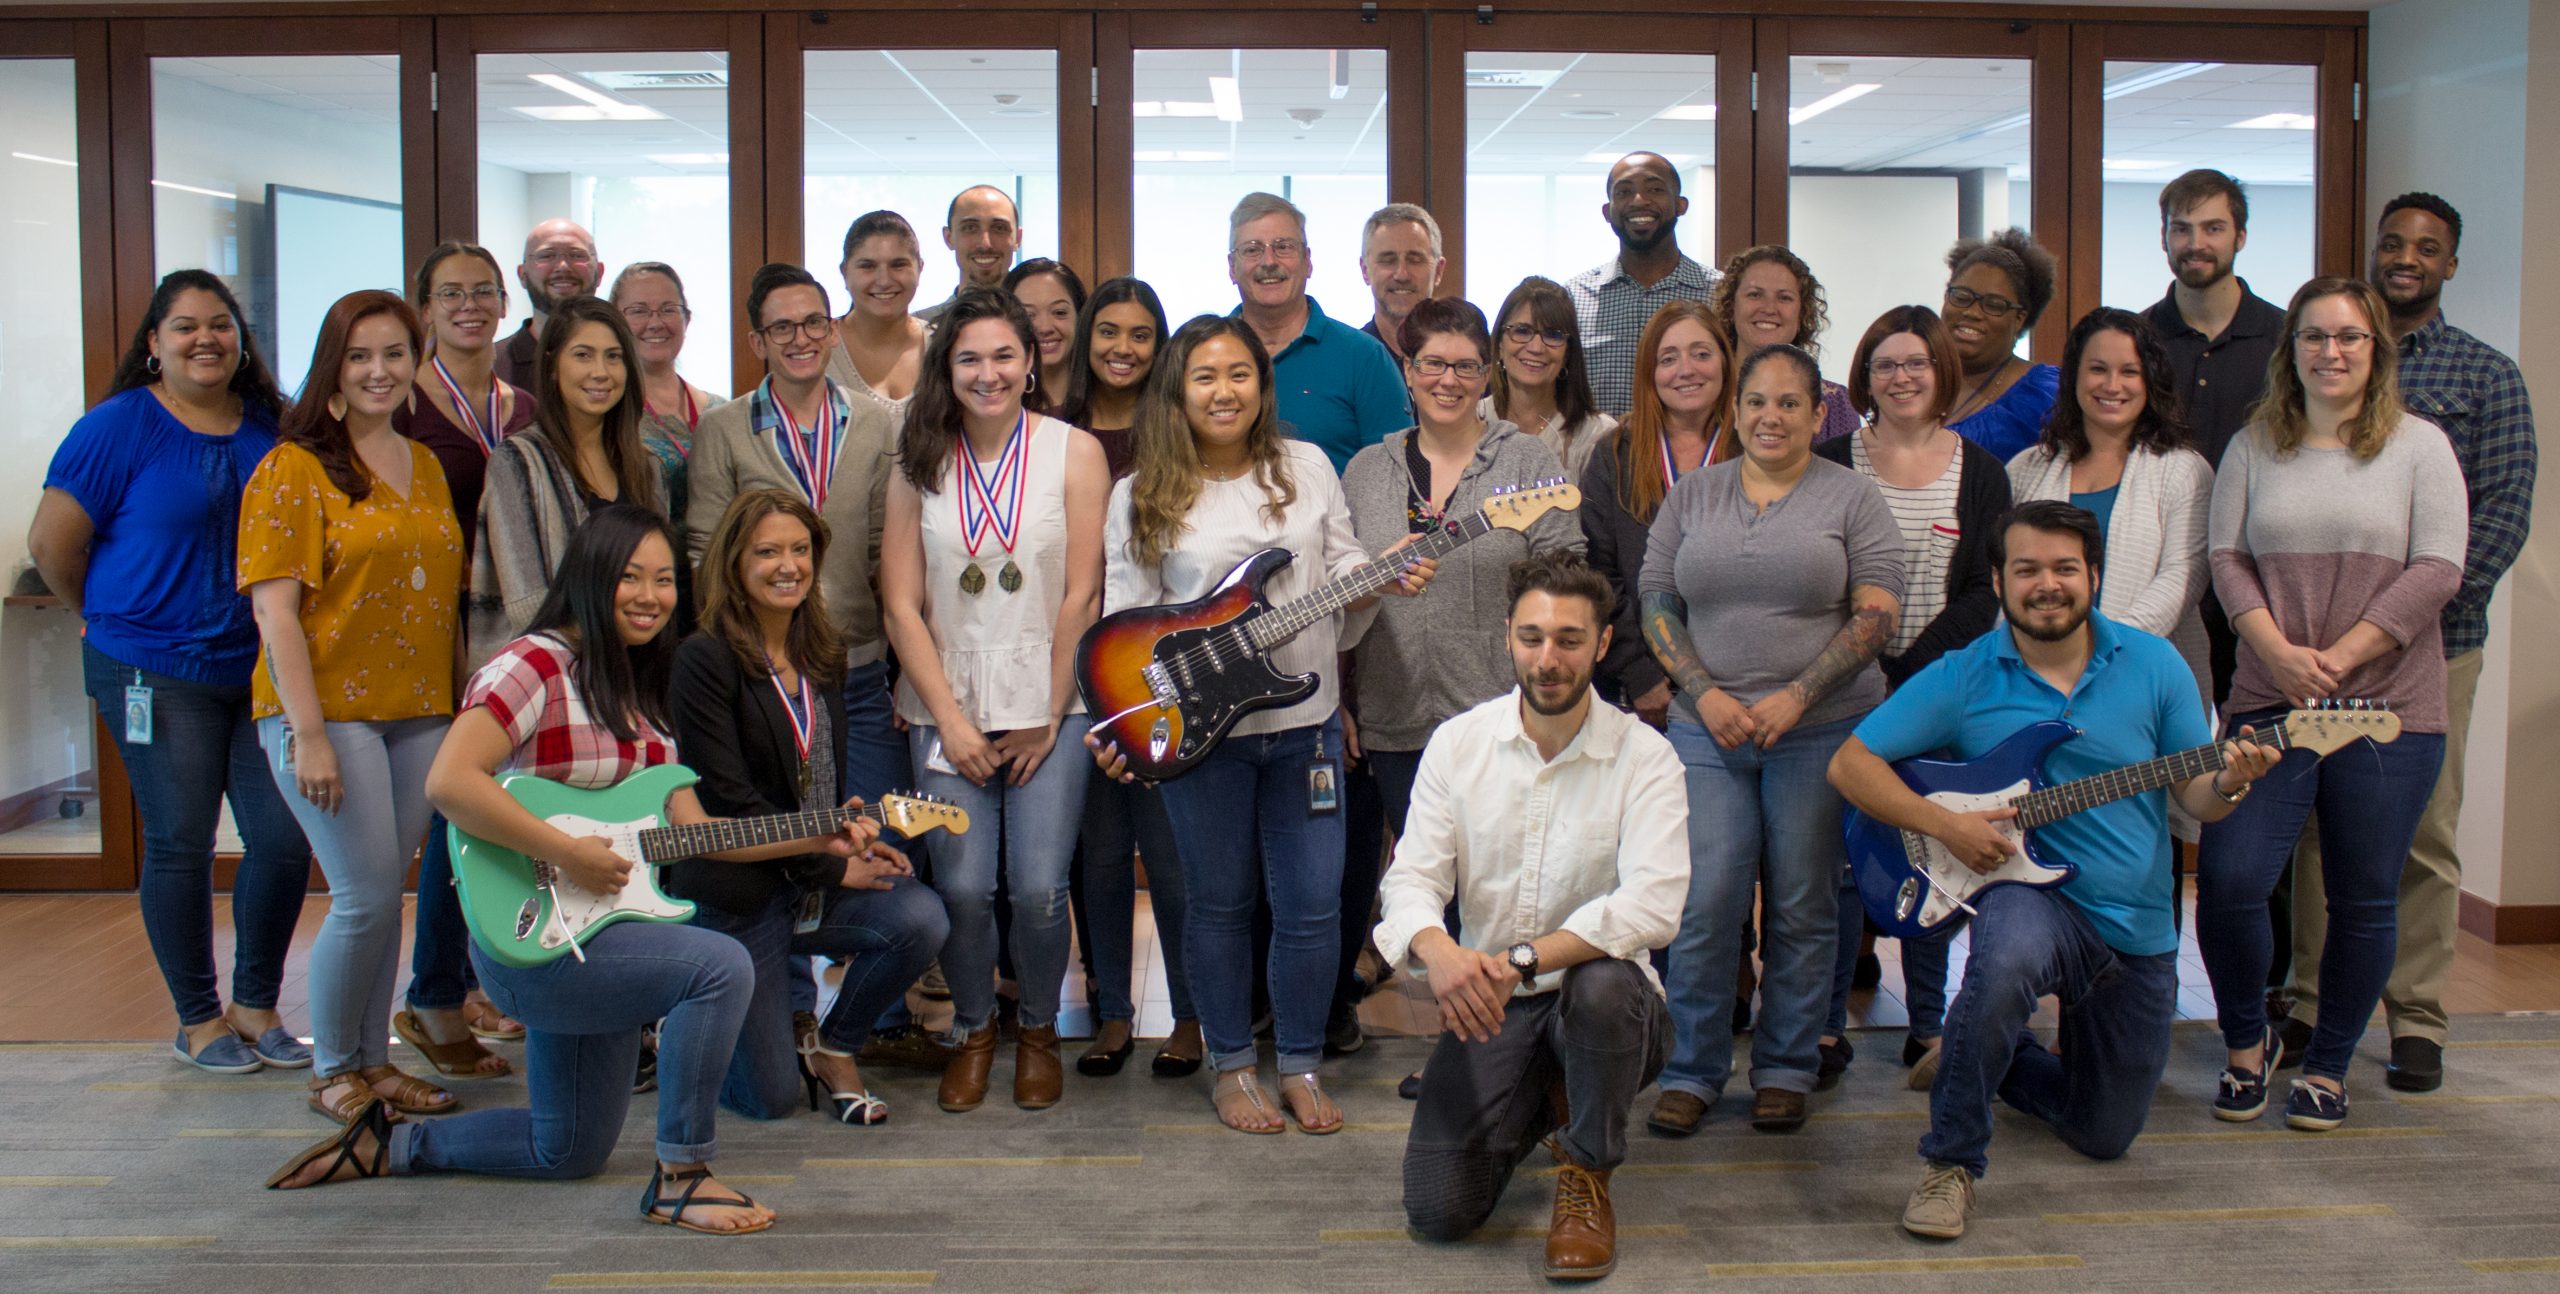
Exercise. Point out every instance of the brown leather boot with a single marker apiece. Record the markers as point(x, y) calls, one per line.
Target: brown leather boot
point(964, 1076)
point(1038, 1074)
point(1582, 1240)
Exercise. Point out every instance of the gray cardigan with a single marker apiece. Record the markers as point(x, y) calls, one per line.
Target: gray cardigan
point(1426, 659)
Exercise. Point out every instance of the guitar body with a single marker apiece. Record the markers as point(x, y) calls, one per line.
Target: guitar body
point(522, 911)
point(1895, 868)
point(1168, 682)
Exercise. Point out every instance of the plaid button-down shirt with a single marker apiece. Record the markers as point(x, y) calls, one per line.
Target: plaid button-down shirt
point(2462, 384)
point(1612, 310)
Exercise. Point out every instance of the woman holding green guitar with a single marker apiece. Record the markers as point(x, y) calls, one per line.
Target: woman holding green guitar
point(581, 700)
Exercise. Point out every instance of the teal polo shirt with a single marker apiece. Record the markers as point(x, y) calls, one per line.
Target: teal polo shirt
point(2135, 701)
point(1338, 388)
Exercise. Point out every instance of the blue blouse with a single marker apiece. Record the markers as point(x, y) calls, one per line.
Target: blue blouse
point(2012, 423)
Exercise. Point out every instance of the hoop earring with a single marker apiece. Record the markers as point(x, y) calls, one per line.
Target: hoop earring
point(151, 365)
point(338, 407)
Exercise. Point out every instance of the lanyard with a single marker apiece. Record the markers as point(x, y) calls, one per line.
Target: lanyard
point(988, 516)
point(489, 431)
point(811, 458)
point(804, 719)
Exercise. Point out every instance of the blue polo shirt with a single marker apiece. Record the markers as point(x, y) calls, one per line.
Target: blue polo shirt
point(2135, 701)
point(1339, 388)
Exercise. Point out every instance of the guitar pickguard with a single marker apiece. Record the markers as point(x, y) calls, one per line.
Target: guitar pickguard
point(1201, 673)
point(574, 908)
point(1949, 880)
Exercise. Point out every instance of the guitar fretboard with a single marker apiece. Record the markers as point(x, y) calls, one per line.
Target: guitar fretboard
point(2061, 800)
point(1284, 623)
point(674, 844)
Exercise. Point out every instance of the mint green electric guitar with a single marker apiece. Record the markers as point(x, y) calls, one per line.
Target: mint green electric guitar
point(526, 912)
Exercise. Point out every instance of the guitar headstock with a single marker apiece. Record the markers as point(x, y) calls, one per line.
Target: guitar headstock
point(1514, 507)
point(912, 813)
point(2331, 724)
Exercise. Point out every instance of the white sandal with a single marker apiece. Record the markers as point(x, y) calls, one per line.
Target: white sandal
point(859, 1109)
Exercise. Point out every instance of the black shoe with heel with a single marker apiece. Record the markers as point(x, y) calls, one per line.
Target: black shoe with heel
point(859, 1109)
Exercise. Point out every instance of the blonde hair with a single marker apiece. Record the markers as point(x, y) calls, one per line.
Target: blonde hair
point(1166, 481)
point(2283, 413)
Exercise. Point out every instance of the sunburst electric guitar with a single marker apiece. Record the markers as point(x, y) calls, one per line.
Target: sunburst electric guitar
point(1913, 887)
point(1168, 682)
point(525, 912)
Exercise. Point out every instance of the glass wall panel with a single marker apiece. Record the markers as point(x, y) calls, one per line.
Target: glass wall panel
point(635, 147)
point(2254, 122)
point(48, 778)
point(282, 175)
point(1543, 131)
point(1892, 160)
point(1214, 125)
point(907, 130)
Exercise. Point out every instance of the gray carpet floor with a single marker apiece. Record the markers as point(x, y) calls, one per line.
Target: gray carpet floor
point(121, 1170)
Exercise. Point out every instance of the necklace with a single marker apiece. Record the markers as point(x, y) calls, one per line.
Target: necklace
point(1965, 407)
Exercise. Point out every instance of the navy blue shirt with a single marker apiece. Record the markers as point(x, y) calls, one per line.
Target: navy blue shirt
point(162, 590)
point(1338, 387)
point(2136, 700)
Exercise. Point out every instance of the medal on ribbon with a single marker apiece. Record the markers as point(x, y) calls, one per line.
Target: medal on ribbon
point(992, 505)
point(811, 458)
point(804, 719)
point(489, 430)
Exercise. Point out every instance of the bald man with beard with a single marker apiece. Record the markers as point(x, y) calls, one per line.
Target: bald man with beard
point(559, 263)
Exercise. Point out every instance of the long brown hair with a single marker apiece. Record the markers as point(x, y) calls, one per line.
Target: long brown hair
point(816, 648)
point(1642, 485)
point(635, 469)
point(1167, 480)
point(1549, 308)
point(2283, 412)
point(933, 428)
point(309, 423)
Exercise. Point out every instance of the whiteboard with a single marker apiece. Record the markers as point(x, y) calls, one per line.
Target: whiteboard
point(322, 246)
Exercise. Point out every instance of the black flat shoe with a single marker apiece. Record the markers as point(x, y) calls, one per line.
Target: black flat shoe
point(1835, 1062)
point(1104, 1064)
point(1169, 1063)
point(1411, 1088)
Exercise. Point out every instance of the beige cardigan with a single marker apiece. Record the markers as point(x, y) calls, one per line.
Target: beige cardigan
point(2156, 574)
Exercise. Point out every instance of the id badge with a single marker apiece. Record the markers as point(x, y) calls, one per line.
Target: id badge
point(813, 911)
point(137, 714)
point(1324, 793)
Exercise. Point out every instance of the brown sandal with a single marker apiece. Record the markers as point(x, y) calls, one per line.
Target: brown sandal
point(464, 1059)
point(1305, 1084)
point(346, 1108)
point(409, 1094)
point(487, 1021)
point(1245, 1086)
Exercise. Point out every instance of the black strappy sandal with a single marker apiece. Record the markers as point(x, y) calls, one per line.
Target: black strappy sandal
point(693, 1178)
point(373, 1119)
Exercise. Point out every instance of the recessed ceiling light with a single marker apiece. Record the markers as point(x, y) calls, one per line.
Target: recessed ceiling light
point(1172, 108)
point(1018, 112)
point(602, 107)
point(2133, 164)
point(1483, 78)
point(1587, 114)
point(1228, 94)
point(1830, 101)
point(690, 159)
point(2279, 121)
point(1688, 112)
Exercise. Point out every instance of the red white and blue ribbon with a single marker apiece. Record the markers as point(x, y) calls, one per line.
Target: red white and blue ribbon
point(812, 458)
point(1670, 469)
point(993, 504)
point(488, 431)
point(804, 718)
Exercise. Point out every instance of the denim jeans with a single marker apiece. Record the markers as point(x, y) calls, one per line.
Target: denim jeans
point(2116, 1012)
point(1767, 818)
point(1242, 821)
point(886, 938)
point(1924, 969)
point(364, 849)
point(1122, 823)
point(2369, 798)
point(582, 1022)
point(440, 973)
point(204, 747)
point(1028, 833)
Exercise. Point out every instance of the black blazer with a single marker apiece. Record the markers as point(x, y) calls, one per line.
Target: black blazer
point(1982, 498)
point(1614, 542)
point(733, 732)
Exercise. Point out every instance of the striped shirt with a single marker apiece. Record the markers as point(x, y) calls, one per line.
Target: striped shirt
point(1927, 518)
point(1612, 310)
point(2462, 384)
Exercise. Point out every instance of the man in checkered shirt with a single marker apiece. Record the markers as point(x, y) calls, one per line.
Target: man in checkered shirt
point(1613, 302)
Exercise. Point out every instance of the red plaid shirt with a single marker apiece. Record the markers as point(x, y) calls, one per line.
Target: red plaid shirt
point(528, 688)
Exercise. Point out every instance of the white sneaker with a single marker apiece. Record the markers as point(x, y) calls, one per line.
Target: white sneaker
point(1938, 1209)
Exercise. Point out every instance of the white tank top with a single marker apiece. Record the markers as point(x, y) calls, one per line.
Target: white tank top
point(994, 644)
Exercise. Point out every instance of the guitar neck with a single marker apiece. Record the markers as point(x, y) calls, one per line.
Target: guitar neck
point(675, 844)
point(2061, 800)
point(1287, 622)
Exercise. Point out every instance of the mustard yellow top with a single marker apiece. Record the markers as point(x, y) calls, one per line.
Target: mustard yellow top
point(381, 584)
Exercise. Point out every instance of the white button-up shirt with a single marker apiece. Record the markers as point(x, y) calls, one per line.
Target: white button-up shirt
point(1595, 841)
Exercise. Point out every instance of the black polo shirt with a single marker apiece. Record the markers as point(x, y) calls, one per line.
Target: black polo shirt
point(2220, 376)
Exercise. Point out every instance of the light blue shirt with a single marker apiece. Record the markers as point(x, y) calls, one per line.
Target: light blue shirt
point(2135, 701)
point(1338, 388)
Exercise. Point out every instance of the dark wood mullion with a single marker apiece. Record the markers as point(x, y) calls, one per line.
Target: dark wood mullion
point(2084, 284)
point(129, 161)
point(2338, 176)
point(2050, 136)
point(785, 137)
point(1115, 139)
point(1737, 138)
point(457, 130)
point(1772, 43)
point(1078, 111)
point(417, 140)
point(93, 102)
point(1442, 140)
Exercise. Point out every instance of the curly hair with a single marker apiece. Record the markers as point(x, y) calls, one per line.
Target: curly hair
point(2029, 266)
point(2162, 425)
point(1813, 317)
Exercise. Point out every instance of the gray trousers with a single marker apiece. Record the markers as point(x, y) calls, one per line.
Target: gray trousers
point(1485, 1105)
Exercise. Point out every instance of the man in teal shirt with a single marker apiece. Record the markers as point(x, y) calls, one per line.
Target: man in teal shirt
point(1335, 386)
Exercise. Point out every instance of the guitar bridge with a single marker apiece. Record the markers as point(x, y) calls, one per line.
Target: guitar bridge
point(1160, 685)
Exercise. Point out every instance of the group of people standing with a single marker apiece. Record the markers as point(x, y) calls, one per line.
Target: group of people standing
point(453, 556)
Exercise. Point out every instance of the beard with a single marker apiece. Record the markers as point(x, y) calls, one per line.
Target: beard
point(1576, 687)
point(2078, 615)
point(2192, 275)
point(1662, 230)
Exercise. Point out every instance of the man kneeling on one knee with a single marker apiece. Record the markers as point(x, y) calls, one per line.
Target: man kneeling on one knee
point(1561, 828)
point(2106, 942)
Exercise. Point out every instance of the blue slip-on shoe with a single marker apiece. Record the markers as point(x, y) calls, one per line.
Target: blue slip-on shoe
point(2243, 1094)
point(226, 1054)
point(281, 1050)
point(2313, 1108)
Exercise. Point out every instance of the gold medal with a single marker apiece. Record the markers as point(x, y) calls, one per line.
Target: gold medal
point(973, 581)
point(1010, 578)
point(805, 781)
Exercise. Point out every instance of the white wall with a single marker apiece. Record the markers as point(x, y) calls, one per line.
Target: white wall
point(1876, 242)
point(2134, 273)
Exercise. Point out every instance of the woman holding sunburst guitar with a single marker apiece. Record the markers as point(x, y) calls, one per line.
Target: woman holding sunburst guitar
point(580, 699)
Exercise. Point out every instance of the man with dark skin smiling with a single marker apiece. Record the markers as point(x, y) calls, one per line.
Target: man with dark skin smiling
point(983, 229)
point(1613, 302)
point(559, 263)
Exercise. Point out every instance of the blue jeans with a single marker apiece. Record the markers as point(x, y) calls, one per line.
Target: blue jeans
point(1767, 818)
point(582, 1022)
point(886, 938)
point(1029, 834)
point(1924, 969)
point(2369, 798)
point(1122, 823)
point(2116, 1012)
point(440, 974)
point(204, 747)
point(1241, 820)
point(364, 849)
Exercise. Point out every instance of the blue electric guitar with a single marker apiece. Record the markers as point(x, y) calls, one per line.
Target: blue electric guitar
point(1913, 887)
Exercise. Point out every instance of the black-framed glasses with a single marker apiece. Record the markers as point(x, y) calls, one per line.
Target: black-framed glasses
point(1521, 333)
point(2350, 340)
point(780, 331)
point(1883, 370)
point(1968, 299)
point(1434, 366)
point(453, 294)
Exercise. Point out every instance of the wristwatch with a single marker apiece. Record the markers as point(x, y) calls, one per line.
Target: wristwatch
point(2233, 798)
point(1524, 959)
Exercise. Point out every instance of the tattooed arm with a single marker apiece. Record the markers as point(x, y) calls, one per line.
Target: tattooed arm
point(1872, 616)
point(1666, 632)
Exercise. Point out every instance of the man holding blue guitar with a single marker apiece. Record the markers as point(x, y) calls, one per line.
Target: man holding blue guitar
point(2105, 942)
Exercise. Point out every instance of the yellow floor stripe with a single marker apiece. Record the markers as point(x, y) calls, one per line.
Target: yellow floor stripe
point(162, 1048)
point(2304, 1213)
point(2505, 1044)
point(729, 1179)
point(2283, 1134)
point(2519, 1098)
point(56, 1181)
point(105, 1242)
point(1704, 1170)
point(312, 1133)
point(1212, 1125)
point(1051, 1161)
point(1900, 1266)
point(1381, 1235)
point(1870, 1116)
point(2512, 1266)
point(232, 1084)
point(757, 1280)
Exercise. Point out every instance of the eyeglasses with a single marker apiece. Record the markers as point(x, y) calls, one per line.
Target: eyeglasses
point(671, 312)
point(1968, 299)
point(450, 295)
point(1883, 370)
point(1434, 366)
point(780, 331)
point(2350, 340)
point(1281, 249)
point(1521, 333)
point(564, 256)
